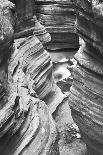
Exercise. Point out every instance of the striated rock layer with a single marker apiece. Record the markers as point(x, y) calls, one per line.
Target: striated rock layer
point(86, 97)
point(37, 61)
point(59, 17)
point(27, 22)
point(26, 125)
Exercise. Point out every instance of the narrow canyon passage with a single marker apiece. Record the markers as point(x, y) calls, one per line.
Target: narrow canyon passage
point(51, 77)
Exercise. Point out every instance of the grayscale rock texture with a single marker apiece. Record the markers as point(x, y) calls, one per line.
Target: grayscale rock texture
point(26, 124)
point(37, 63)
point(86, 93)
point(58, 16)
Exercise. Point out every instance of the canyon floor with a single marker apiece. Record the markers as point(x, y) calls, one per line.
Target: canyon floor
point(70, 142)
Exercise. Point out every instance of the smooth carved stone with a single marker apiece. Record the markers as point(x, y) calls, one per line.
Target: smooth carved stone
point(86, 102)
point(87, 61)
point(86, 93)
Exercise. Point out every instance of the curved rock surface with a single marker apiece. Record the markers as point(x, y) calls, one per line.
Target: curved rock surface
point(27, 23)
point(26, 125)
point(86, 95)
point(59, 19)
point(38, 62)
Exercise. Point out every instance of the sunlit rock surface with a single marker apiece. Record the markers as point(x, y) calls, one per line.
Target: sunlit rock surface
point(86, 95)
point(26, 78)
point(41, 65)
point(26, 125)
point(37, 65)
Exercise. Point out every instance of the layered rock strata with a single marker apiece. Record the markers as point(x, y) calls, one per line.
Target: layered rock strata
point(36, 65)
point(58, 16)
point(37, 62)
point(27, 22)
point(26, 125)
point(40, 67)
point(86, 97)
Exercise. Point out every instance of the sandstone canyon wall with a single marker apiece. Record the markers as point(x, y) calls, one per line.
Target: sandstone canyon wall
point(86, 98)
point(26, 125)
point(39, 59)
point(58, 16)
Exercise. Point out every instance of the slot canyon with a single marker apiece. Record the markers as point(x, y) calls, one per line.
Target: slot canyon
point(51, 77)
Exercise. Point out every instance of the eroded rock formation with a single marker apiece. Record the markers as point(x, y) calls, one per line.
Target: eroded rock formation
point(40, 64)
point(26, 125)
point(86, 98)
point(37, 66)
point(27, 22)
point(59, 17)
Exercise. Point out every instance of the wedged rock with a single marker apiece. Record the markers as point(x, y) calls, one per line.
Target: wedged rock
point(41, 33)
point(86, 92)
